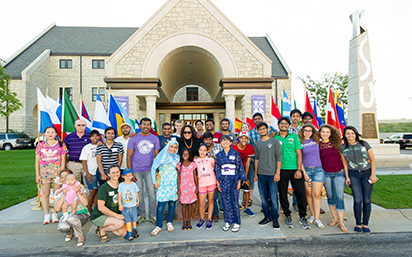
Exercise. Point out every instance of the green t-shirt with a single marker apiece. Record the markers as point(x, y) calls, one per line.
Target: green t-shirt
point(109, 195)
point(289, 145)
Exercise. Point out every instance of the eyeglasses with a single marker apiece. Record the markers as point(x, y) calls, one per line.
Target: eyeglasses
point(307, 131)
point(262, 129)
point(81, 125)
point(187, 132)
point(284, 123)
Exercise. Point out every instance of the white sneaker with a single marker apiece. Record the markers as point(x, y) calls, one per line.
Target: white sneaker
point(319, 224)
point(311, 219)
point(236, 227)
point(55, 219)
point(170, 227)
point(226, 227)
point(46, 219)
point(156, 231)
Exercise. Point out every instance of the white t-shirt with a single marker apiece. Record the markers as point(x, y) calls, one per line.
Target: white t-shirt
point(89, 154)
point(124, 143)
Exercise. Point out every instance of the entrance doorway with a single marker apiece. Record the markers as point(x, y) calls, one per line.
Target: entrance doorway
point(190, 119)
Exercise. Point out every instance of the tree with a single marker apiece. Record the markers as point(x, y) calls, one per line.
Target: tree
point(8, 99)
point(319, 88)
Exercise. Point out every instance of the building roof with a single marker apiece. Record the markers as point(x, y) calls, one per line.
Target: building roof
point(102, 41)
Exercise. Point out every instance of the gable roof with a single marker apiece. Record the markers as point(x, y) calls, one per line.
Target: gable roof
point(103, 41)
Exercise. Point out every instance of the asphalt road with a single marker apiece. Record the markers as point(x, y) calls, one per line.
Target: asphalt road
point(407, 151)
point(387, 244)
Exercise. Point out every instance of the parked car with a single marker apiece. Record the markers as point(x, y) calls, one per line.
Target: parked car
point(403, 139)
point(9, 141)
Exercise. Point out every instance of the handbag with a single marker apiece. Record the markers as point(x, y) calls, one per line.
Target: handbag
point(158, 176)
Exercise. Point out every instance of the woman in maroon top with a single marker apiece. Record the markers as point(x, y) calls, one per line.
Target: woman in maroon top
point(334, 173)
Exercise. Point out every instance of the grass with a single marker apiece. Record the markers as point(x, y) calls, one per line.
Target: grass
point(395, 127)
point(391, 191)
point(17, 177)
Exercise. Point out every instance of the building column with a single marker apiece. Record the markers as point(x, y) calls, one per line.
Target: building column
point(151, 107)
point(230, 106)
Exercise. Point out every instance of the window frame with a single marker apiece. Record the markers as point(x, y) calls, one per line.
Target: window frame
point(192, 96)
point(100, 64)
point(66, 62)
point(102, 94)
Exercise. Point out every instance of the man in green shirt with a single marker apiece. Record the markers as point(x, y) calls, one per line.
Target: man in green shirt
point(291, 171)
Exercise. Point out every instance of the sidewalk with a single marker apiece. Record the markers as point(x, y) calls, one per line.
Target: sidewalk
point(22, 228)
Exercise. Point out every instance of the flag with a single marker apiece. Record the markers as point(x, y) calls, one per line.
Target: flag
point(275, 115)
point(44, 119)
point(251, 123)
point(100, 120)
point(316, 110)
point(115, 115)
point(136, 126)
point(238, 125)
point(153, 132)
point(155, 128)
point(69, 114)
point(286, 107)
point(85, 116)
point(60, 110)
point(339, 110)
point(331, 114)
point(55, 108)
point(308, 108)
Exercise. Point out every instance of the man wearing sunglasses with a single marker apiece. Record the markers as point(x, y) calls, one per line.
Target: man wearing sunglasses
point(75, 142)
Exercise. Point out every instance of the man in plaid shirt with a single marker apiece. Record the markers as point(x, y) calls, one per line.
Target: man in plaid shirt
point(254, 135)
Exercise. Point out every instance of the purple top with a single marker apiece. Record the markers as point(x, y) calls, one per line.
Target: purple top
point(329, 155)
point(310, 154)
point(143, 151)
point(75, 145)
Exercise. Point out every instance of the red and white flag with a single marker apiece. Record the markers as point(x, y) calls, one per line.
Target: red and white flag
point(308, 108)
point(331, 113)
point(274, 114)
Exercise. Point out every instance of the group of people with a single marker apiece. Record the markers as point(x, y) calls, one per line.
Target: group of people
point(200, 170)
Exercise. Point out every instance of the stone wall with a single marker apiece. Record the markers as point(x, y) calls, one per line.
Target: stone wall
point(180, 95)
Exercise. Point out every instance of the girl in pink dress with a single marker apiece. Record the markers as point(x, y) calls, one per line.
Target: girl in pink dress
point(71, 196)
point(187, 186)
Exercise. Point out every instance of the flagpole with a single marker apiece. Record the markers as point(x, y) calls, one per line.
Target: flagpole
point(64, 88)
point(38, 119)
point(304, 96)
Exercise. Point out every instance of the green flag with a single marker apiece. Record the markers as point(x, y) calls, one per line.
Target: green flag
point(69, 114)
point(294, 103)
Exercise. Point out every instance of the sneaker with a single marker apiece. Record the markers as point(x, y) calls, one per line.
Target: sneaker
point(296, 209)
point(322, 211)
point(55, 219)
point(288, 222)
point(366, 230)
point(140, 220)
point(276, 225)
point(319, 224)
point(170, 227)
point(358, 230)
point(226, 227)
point(153, 220)
point(311, 219)
point(221, 210)
point(209, 224)
point(155, 231)
point(200, 224)
point(304, 223)
point(249, 212)
point(46, 219)
point(264, 222)
point(235, 228)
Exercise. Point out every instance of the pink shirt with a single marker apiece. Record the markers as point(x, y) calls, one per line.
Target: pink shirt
point(50, 159)
point(205, 171)
point(71, 195)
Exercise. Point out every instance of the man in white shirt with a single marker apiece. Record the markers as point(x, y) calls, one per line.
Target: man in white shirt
point(126, 129)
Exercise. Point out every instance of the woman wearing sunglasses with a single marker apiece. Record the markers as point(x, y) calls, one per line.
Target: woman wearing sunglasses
point(189, 140)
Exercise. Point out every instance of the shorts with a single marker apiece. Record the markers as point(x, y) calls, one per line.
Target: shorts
point(55, 180)
point(244, 187)
point(95, 183)
point(316, 174)
point(207, 189)
point(130, 214)
point(99, 221)
point(251, 175)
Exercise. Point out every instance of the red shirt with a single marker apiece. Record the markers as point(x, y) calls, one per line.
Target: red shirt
point(329, 155)
point(249, 151)
point(216, 137)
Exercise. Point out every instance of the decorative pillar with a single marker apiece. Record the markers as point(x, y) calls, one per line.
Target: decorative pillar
point(151, 107)
point(230, 106)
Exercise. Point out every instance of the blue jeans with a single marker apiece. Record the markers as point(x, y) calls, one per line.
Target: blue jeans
point(268, 191)
point(334, 185)
point(150, 191)
point(362, 194)
point(161, 212)
point(217, 200)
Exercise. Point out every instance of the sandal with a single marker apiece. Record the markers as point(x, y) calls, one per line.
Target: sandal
point(342, 227)
point(189, 226)
point(333, 223)
point(250, 202)
point(81, 243)
point(103, 238)
point(67, 238)
point(215, 218)
point(129, 236)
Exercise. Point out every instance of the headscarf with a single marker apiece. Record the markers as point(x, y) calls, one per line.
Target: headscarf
point(164, 157)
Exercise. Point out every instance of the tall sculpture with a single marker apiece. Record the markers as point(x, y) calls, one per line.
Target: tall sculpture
point(361, 89)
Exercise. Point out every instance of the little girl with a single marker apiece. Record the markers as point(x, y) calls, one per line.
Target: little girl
point(71, 195)
point(165, 162)
point(187, 186)
point(207, 185)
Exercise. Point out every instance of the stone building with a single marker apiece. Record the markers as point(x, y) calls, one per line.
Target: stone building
point(188, 61)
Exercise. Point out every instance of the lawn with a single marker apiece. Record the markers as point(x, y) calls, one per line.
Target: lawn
point(391, 191)
point(17, 177)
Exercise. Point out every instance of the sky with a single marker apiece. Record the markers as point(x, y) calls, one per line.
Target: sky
point(312, 36)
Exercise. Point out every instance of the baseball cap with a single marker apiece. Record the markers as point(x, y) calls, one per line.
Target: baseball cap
point(244, 133)
point(124, 124)
point(127, 171)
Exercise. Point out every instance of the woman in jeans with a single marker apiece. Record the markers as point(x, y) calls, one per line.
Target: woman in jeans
point(312, 167)
point(334, 173)
point(360, 170)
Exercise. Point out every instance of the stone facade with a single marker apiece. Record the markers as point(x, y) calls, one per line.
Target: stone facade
point(180, 95)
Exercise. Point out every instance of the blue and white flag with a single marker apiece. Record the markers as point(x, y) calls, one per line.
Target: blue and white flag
point(286, 107)
point(100, 120)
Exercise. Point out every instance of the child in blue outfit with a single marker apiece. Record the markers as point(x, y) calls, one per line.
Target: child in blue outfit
point(128, 192)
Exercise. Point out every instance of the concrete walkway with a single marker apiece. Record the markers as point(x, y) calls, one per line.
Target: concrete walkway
point(22, 228)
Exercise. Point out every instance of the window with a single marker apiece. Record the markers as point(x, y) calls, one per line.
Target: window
point(2, 137)
point(101, 93)
point(69, 91)
point(65, 64)
point(98, 64)
point(192, 94)
point(13, 136)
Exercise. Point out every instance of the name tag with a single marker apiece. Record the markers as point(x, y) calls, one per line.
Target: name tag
point(114, 150)
point(228, 169)
point(111, 193)
point(280, 142)
point(232, 157)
